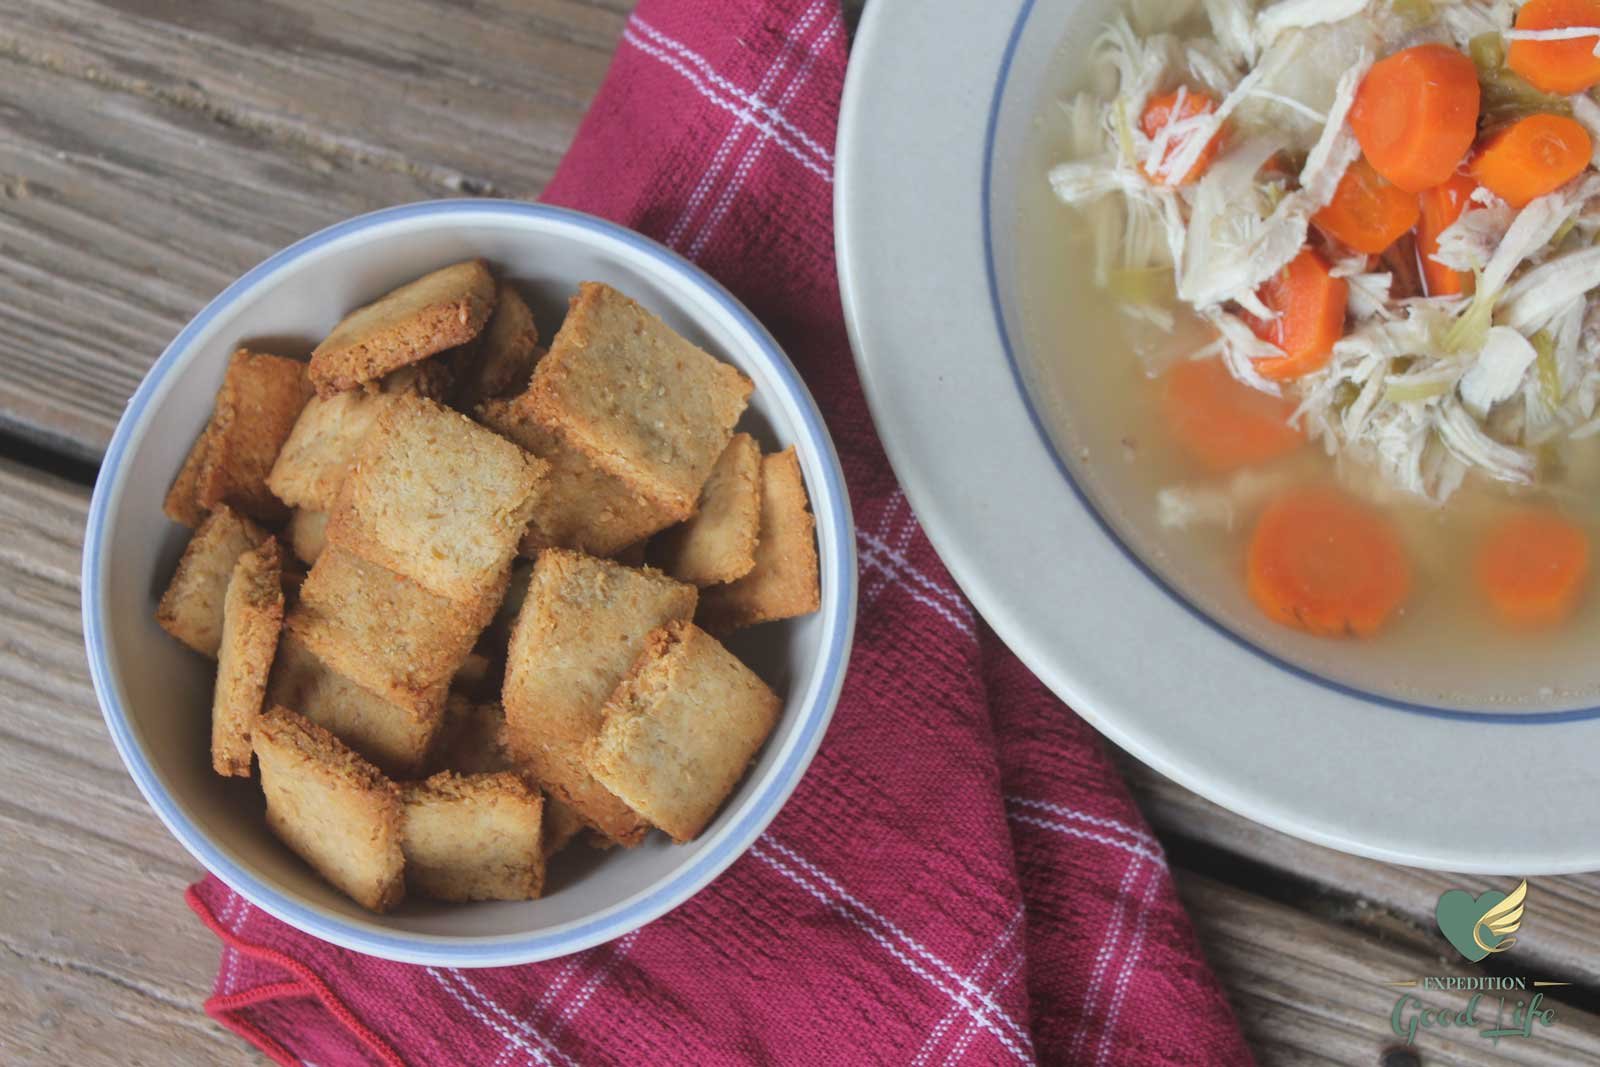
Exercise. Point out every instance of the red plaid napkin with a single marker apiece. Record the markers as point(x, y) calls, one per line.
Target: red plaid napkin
point(961, 876)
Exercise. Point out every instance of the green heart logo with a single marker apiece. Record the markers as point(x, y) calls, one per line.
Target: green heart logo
point(1459, 914)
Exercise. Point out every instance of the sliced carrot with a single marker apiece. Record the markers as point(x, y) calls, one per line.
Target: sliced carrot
point(1367, 213)
point(1562, 67)
point(1322, 561)
point(1164, 110)
point(1533, 567)
point(1441, 207)
point(1532, 157)
point(1416, 115)
point(1310, 303)
point(1223, 423)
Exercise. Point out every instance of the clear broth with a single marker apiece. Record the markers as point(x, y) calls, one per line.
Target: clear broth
point(1445, 648)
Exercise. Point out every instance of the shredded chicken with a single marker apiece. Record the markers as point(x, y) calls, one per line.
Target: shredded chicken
point(1423, 391)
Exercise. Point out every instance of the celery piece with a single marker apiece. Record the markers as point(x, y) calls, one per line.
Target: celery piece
point(1404, 392)
point(1119, 114)
point(1549, 370)
point(1507, 96)
point(1488, 52)
point(1415, 12)
point(1565, 231)
point(1467, 332)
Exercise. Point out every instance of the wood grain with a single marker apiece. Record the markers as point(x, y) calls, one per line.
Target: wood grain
point(1558, 939)
point(1307, 992)
point(100, 962)
point(151, 151)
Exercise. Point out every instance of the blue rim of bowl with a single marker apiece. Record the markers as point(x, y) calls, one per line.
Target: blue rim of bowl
point(629, 914)
point(1530, 718)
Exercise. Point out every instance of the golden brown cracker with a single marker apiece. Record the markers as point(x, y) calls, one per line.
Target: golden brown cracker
point(383, 631)
point(473, 742)
point(784, 581)
point(397, 739)
point(308, 534)
point(562, 824)
point(557, 763)
point(332, 808)
point(581, 506)
point(718, 545)
point(182, 503)
point(256, 409)
point(322, 447)
point(501, 360)
point(474, 837)
point(437, 311)
point(437, 498)
point(583, 624)
point(680, 730)
point(191, 609)
point(636, 398)
point(252, 615)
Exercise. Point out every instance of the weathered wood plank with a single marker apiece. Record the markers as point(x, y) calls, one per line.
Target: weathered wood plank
point(1558, 939)
point(478, 97)
point(60, 1014)
point(150, 152)
point(1309, 992)
point(100, 962)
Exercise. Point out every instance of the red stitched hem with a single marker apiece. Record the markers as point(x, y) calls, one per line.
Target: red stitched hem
point(306, 982)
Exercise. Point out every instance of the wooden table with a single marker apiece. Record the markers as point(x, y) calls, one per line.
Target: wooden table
point(153, 150)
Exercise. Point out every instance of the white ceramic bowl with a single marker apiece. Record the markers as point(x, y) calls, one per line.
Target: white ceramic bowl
point(155, 694)
point(939, 108)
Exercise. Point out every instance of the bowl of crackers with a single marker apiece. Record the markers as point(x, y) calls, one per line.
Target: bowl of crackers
point(469, 583)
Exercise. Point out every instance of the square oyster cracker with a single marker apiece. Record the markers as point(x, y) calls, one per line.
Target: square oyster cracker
point(638, 399)
point(473, 837)
point(437, 498)
point(581, 627)
point(333, 808)
point(681, 729)
point(383, 631)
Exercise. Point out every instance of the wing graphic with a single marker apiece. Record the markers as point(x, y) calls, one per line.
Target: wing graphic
point(1502, 920)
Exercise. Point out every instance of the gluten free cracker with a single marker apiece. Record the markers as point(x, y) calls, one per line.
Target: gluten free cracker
point(397, 739)
point(252, 615)
point(582, 506)
point(437, 498)
point(636, 398)
point(182, 503)
point(784, 581)
point(255, 410)
point(437, 311)
point(322, 446)
point(718, 545)
point(473, 742)
point(308, 534)
point(680, 730)
point(191, 609)
point(583, 624)
point(385, 632)
point(473, 837)
point(333, 808)
point(501, 360)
